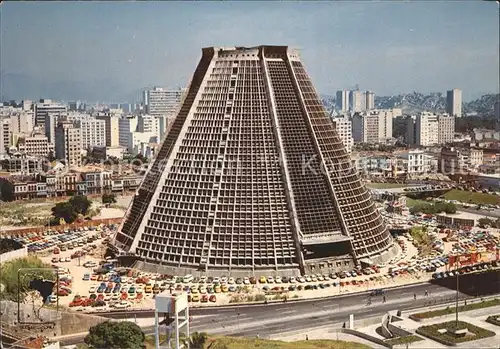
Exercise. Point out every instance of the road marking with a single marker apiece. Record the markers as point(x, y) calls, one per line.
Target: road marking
point(288, 312)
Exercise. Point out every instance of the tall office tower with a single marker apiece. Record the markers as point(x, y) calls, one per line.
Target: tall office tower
point(343, 125)
point(357, 101)
point(454, 102)
point(496, 110)
point(162, 102)
point(252, 176)
point(342, 100)
point(93, 132)
point(369, 100)
point(45, 107)
point(5, 135)
point(446, 128)
point(112, 128)
point(68, 143)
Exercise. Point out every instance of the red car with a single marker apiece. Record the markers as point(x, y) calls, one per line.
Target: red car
point(213, 298)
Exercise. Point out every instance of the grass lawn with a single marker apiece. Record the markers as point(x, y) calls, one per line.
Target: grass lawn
point(385, 185)
point(447, 338)
point(251, 343)
point(451, 310)
point(472, 197)
point(414, 202)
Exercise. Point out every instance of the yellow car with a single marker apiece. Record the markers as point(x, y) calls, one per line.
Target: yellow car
point(217, 289)
point(148, 289)
point(262, 280)
point(195, 298)
point(224, 288)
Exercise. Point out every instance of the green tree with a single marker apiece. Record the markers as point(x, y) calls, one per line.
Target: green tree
point(9, 270)
point(108, 198)
point(81, 204)
point(115, 335)
point(66, 211)
point(483, 222)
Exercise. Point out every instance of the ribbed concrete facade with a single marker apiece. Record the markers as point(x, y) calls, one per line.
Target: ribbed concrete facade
point(253, 176)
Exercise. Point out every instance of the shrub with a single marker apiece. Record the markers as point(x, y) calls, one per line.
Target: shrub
point(494, 320)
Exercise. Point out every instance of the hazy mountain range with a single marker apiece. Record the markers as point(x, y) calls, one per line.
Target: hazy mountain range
point(415, 102)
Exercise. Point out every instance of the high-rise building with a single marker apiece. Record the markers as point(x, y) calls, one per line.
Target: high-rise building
point(260, 182)
point(45, 107)
point(93, 132)
point(357, 101)
point(454, 102)
point(342, 101)
point(112, 127)
point(369, 100)
point(496, 110)
point(446, 128)
point(343, 125)
point(373, 126)
point(162, 102)
point(22, 122)
point(126, 125)
point(68, 143)
point(5, 135)
point(426, 129)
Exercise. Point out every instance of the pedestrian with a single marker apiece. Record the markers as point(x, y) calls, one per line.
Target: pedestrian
point(426, 293)
point(414, 296)
point(307, 337)
point(383, 299)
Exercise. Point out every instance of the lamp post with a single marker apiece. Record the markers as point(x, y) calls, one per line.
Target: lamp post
point(456, 296)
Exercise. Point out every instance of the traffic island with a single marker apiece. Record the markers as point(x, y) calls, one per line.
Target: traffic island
point(450, 333)
point(494, 320)
point(452, 310)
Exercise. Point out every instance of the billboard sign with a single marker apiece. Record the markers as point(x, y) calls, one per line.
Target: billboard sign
point(463, 260)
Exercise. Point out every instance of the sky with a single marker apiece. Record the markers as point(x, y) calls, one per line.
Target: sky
point(114, 49)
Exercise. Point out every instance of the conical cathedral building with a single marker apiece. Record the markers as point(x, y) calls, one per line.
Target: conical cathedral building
point(252, 176)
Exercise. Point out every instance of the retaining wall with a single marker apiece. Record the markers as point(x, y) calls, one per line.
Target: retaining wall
point(19, 253)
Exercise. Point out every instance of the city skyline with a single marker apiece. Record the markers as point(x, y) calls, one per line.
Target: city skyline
point(113, 50)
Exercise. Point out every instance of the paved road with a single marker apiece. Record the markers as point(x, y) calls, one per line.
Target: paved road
point(266, 320)
point(495, 213)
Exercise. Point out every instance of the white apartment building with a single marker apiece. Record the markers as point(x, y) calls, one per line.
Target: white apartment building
point(454, 102)
point(138, 140)
point(37, 146)
point(126, 125)
point(93, 132)
point(22, 122)
point(162, 102)
point(432, 129)
point(68, 143)
point(426, 129)
point(45, 107)
point(342, 101)
point(373, 126)
point(344, 129)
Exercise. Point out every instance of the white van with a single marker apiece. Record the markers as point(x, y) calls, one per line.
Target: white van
point(188, 278)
